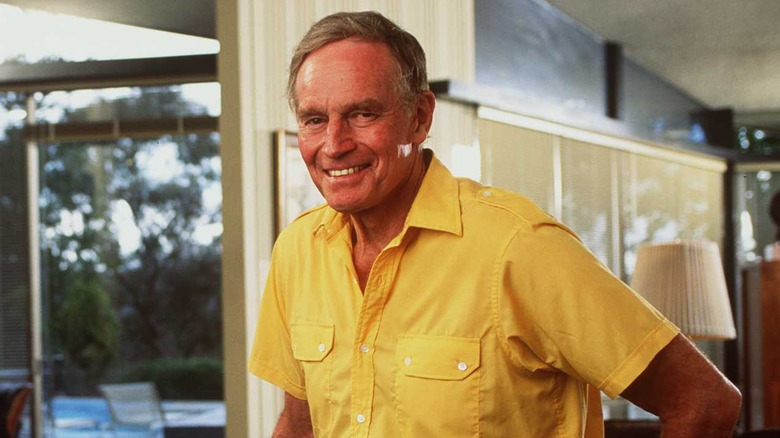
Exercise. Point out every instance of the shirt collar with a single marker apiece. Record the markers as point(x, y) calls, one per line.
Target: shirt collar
point(436, 206)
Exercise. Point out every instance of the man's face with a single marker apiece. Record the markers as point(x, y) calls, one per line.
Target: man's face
point(357, 139)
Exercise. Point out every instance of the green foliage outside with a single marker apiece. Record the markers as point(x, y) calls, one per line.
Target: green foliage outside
point(757, 141)
point(89, 328)
point(122, 222)
point(181, 379)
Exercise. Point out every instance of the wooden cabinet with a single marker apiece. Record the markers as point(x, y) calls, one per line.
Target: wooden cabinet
point(770, 345)
point(760, 341)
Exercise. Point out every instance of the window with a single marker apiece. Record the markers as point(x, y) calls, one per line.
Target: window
point(130, 243)
point(615, 194)
point(130, 227)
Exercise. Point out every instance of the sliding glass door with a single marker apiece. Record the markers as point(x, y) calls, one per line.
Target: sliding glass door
point(130, 253)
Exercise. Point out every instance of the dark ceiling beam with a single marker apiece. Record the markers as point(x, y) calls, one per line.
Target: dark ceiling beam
point(105, 74)
point(613, 79)
point(769, 119)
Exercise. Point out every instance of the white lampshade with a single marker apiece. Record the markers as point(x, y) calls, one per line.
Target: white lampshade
point(684, 280)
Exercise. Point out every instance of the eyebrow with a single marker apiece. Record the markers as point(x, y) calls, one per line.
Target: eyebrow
point(366, 104)
point(369, 104)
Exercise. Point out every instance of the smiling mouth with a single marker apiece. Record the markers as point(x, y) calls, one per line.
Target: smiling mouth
point(348, 171)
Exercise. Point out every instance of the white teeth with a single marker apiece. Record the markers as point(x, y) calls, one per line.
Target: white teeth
point(343, 172)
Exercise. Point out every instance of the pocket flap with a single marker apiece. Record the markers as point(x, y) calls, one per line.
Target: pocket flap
point(311, 342)
point(437, 357)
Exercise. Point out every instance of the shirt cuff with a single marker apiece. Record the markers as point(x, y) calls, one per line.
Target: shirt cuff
point(275, 377)
point(639, 359)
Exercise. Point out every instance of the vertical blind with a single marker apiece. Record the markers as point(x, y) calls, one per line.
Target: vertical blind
point(589, 206)
point(520, 160)
point(14, 265)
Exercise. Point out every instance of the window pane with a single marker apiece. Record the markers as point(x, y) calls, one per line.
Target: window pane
point(588, 197)
point(757, 229)
point(520, 160)
point(132, 261)
point(663, 201)
point(131, 254)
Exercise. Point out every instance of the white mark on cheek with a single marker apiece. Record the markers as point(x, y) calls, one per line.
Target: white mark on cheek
point(404, 150)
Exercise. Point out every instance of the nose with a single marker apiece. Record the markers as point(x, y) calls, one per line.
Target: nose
point(338, 138)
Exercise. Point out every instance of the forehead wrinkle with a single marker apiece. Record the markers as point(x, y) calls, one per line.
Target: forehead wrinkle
point(329, 69)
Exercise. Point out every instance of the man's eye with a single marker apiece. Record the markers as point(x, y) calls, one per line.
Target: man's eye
point(364, 116)
point(313, 121)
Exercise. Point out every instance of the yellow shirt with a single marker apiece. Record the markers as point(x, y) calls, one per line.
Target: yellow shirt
point(483, 317)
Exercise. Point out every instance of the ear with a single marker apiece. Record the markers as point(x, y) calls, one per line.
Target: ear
point(423, 117)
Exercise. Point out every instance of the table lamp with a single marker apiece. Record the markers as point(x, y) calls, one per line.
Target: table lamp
point(684, 280)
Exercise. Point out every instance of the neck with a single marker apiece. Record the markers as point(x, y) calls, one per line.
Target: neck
point(373, 229)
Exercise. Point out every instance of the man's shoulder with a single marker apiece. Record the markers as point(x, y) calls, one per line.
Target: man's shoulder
point(498, 202)
point(306, 224)
point(313, 216)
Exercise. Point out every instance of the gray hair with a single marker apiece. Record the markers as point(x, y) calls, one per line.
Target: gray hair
point(412, 78)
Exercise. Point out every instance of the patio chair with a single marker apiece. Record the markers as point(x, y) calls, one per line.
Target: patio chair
point(13, 399)
point(135, 408)
point(60, 422)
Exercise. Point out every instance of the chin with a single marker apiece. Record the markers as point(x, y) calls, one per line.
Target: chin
point(344, 207)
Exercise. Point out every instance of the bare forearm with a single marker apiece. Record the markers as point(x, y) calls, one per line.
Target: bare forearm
point(709, 427)
point(690, 396)
point(714, 416)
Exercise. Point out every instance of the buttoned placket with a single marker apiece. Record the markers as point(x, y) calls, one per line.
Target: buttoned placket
point(375, 295)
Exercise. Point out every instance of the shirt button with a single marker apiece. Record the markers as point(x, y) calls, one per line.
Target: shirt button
point(462, 366)
point(408, 361)
point(487, 193)
point(364, 348)
point(360, 418)
point(321, 347)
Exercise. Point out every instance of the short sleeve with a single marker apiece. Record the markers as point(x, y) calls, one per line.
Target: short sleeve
point(272, 357)
point(560, 309)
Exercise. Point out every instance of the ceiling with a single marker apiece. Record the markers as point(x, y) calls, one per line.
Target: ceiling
point(725, 53)
point(193, 17)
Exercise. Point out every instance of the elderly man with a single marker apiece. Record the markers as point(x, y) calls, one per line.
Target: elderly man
point(417, 304)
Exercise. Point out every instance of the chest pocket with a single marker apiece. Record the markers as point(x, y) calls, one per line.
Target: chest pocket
point(312, 344)
point(437, 385)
